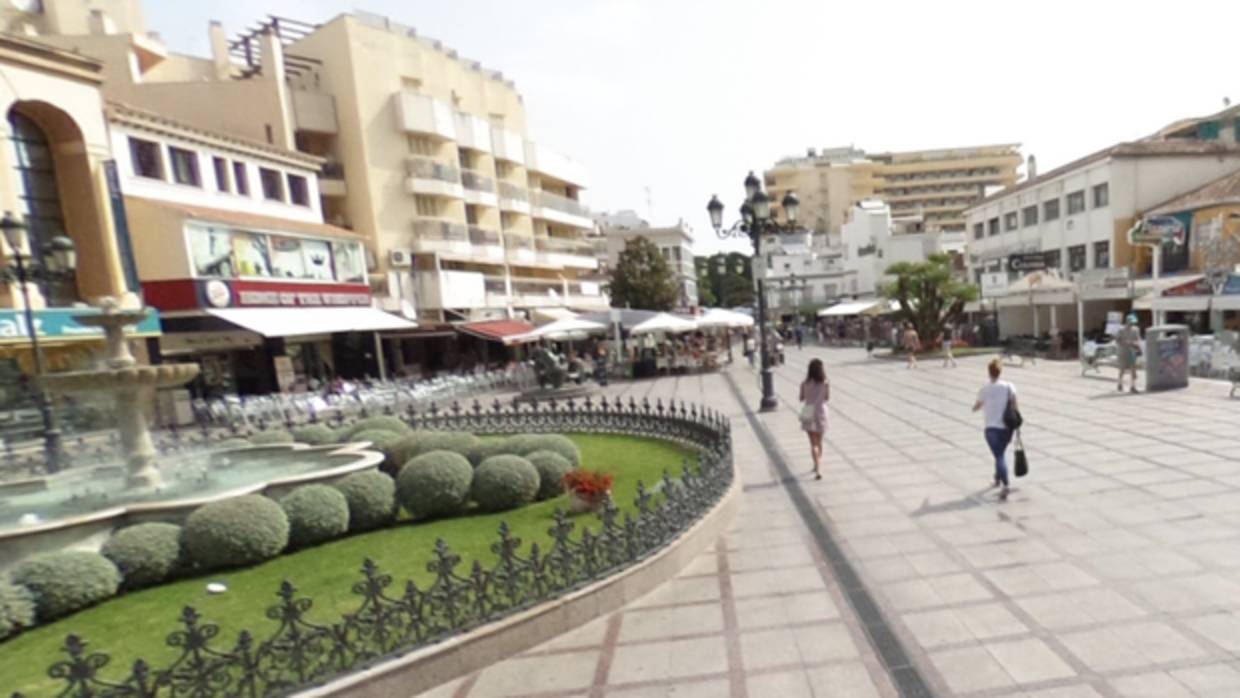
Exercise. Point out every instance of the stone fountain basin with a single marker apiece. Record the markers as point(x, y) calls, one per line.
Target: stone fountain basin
point(114, 379)
point(89, 531)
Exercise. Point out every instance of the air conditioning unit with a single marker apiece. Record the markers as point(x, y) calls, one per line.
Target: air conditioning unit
point(400, 259)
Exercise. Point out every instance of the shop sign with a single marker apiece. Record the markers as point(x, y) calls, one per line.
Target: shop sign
point(1232, 284)
point(1027, 261)
point(1158, 230)
point(59, 323)
point(1200, 287)
point(268, 294)
point(1103, 279)
point(994, 283)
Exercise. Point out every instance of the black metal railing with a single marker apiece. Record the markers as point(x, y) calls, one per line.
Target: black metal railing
point(388, 620)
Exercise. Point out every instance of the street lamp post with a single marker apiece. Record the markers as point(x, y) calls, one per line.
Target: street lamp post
point(756, 222)
point(58, 264)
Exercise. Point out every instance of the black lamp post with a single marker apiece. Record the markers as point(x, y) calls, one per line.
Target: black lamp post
point(756, 222)
point(58, 263)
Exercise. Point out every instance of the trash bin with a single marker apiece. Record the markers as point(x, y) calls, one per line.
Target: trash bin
point(1166, 357)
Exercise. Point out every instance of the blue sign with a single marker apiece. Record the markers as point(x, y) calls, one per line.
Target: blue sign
point(1232, 286)
point(58, 323)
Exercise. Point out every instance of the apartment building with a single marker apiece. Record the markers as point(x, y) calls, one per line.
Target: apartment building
point(674, 241)
point(425, 153)
point(1077, 216)
point(799, 274)
point(934, 185)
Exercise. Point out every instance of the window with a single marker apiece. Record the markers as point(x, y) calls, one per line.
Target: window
point(1050, 210)
point(221, 174)
point(273, 184)
point(1010, 221)
point(1102, 195)
point(1030, 215)
point(184, 166)
point(1076, 202)
point(993, 227)
point(1076, 258)
point(979, 231)
point(146, 159)
point(37, 190)
point(241, 179)
point(298, 190)
point(1102, 255)
point(1208, 131)
point(1053, 259)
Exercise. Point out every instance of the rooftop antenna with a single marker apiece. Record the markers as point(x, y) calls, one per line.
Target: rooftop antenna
point(1226, 102)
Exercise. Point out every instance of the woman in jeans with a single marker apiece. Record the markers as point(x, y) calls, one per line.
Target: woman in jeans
point(815, 392)
point(993, 399)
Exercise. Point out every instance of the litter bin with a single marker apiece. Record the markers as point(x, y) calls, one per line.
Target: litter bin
point(1166, 357)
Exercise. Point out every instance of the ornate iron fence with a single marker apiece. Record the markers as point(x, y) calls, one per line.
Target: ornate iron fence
point(392, 620)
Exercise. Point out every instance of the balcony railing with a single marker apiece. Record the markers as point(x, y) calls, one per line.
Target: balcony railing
point(564, 246)
point(426, 168)
point(518, 242)
point(477, 181)
point(430, 229)
point(482, 236)
point(495, 284)
point(536, 287)
point(512, 191)
point(333, 170)
point(559, 203)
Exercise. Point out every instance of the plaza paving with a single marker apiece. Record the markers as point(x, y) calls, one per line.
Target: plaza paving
point(1113, 570)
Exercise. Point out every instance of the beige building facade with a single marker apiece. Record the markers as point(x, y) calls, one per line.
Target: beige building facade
point(933, 185)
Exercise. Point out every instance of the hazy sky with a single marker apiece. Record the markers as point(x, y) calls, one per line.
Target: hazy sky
point(684, 97)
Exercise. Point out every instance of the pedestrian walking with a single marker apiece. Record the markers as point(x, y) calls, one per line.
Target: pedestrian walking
point(750, 348)
point(912, 344)
point(994, 400)
point(815, 392)
point(800, 334)
point(1128, 348)
point(946, 338)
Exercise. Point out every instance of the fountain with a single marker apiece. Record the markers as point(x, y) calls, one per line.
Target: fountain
point(132, 386)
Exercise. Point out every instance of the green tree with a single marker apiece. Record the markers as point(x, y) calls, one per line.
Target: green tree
point(929, 293)
point(735, 290)
point(642, 278)
point(728, 278)
point(706, 290)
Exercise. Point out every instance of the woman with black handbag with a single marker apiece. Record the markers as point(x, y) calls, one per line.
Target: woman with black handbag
point(1001, 414)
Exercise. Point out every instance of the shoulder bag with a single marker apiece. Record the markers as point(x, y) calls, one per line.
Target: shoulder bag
point(1022, 461)
point(1011, 416)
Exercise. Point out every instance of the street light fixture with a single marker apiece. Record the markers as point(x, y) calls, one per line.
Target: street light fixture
point(58, 263)
point(756, 222)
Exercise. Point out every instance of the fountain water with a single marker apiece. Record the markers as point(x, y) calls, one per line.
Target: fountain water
point(133, 387)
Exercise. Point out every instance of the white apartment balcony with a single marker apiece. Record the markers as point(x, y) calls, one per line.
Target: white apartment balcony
point(439, 289)
point(417, 113)
point(507, 145)
point(586, 295)
point(560, 209)
point(433, 178)
point(433, 235)
point(486, 245)
point(565, 253)
point(519, 249)
point(538, 293)
point(314, 111)
point(473, 132)
point(513, 198)
point(541, 159)
point(479, 189)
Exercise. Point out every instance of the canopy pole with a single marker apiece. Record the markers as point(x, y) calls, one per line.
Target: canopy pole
point(379, 356)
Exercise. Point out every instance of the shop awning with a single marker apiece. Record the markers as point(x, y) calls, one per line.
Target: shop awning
point(851, 308)
point(552, 314)
point(293, 322)
point(496, 330)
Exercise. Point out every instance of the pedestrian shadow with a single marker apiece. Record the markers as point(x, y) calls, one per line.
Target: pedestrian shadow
point(1112, 395)
point(969, 501)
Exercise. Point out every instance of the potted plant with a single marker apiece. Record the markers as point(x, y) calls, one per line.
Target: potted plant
point(587, 489)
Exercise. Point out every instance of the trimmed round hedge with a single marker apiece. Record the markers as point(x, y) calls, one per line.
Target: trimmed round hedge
point(16, 608)
point(504, 482)
point(407, 447)
point(66, 581)
point(489, 446)
point(384, 442)
point(381, 422)
point(271, 437)
point(314, 434)
point(458, 442)
point(371, 497)
point(435, 484)
point(316, 513)
point(556, 443)
point(235, 532)
point(146, 554)
point(551, 467)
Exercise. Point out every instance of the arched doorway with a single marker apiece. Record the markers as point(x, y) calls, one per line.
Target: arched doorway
point(37, 192)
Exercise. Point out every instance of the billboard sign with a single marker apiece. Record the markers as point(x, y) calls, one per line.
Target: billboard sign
point(1158, 230)
point(1027, 261)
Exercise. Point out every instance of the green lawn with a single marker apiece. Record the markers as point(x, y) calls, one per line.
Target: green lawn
point(135, 625)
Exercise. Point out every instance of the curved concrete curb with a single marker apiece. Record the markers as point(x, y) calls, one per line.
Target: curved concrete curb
point(431, 666)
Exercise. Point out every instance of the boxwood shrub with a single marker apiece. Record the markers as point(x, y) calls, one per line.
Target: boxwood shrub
point(16, 608)
point(458, 442)
point(314, 434)
point(235, 532)
point(489, 446)
point(551, 467)
point(556, 443)
point(384, 442)
point(66, 581)
point(435, 484)
point(382, 422)
point(146, 554)
point(371, 496)
point(316, 513)
point(504, 482)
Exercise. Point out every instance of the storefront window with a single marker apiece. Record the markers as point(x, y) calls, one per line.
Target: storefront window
point(227, 253)
point(349, 262)
point(211, 252)
point(253, 254)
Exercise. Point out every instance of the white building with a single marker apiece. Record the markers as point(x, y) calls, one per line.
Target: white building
point(1077, 216)
point(873, 241)
point(674, 241)
point(800, 274)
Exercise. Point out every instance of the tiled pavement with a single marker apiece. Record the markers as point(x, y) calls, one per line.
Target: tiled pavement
point(1113, 570)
